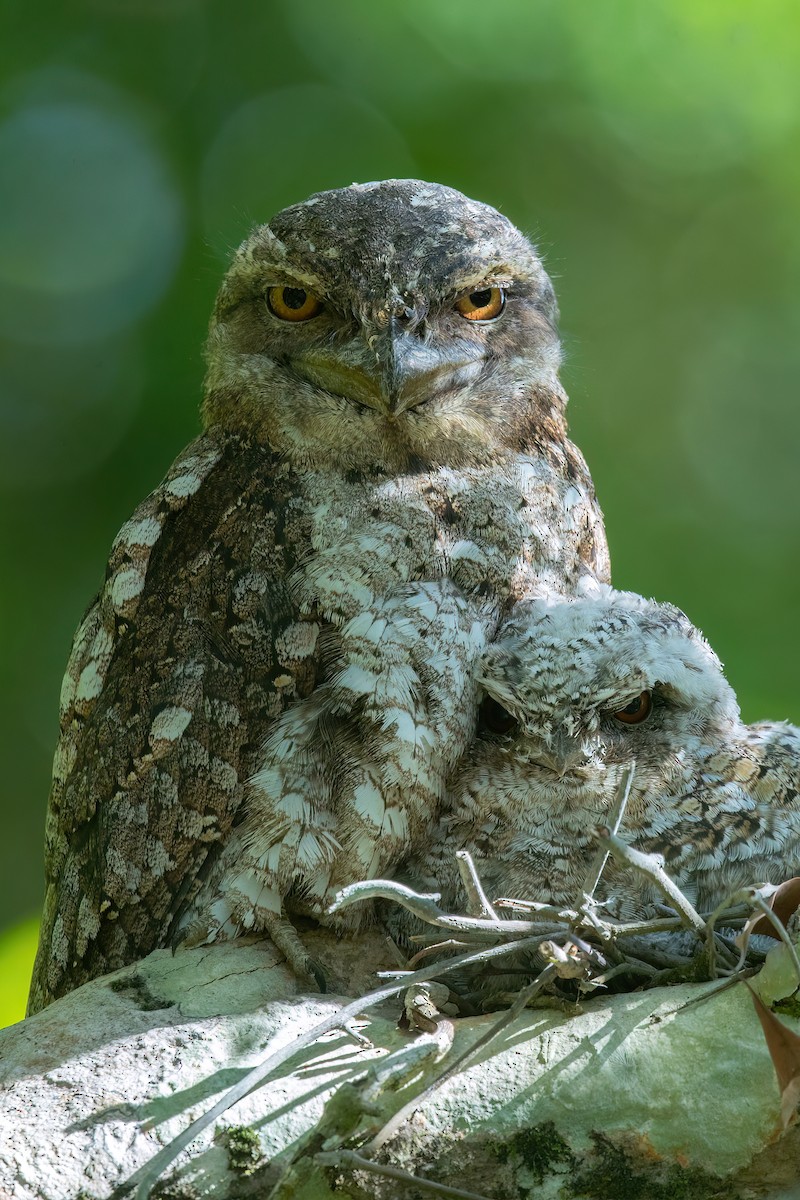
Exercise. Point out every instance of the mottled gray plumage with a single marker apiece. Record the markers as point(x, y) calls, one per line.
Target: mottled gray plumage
point(565, 678)
point(363, 429)
point(352, 777)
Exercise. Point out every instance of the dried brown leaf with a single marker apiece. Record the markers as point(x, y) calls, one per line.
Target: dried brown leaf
point(784, 902)
point(784, 1050)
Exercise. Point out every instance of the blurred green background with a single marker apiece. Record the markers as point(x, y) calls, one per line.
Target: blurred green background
point(652, 150)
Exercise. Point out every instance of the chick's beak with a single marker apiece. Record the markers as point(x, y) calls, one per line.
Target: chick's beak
point(563, 754)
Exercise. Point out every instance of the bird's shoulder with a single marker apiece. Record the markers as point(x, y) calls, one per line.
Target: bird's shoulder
point(191, 648)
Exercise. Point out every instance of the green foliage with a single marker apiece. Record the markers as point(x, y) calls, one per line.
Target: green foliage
point(17, 952)
point(789, 1006)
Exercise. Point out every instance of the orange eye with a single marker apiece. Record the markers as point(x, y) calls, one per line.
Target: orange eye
point(484, 304)
point(637, 711)
point(293, 303)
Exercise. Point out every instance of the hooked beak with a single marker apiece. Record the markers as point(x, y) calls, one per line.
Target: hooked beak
point(413, 372)
point(395, 370)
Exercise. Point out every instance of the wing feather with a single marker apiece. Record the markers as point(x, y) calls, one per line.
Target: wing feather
point(176, 672)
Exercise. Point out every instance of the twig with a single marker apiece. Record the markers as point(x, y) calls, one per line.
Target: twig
point(143, 1179)
point(341, 1158)
point(424, 905)
point(745, 894)
point(642, 948)
point(349, 1026)
point(467, 937)
point(478, 904)
point(395, 951)
point(650, 865)
point(714, 986)
point(629, 967)
point(615, 820)
point(427, 951)
point(543, 910)
point(750, 898)
point(731, 916)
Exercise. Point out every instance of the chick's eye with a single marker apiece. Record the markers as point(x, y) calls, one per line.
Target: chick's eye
point(637, 711)
point(484, 304)
point(293, 303)
point(493, 718)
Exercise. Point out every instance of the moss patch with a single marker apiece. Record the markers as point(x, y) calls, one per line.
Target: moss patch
point(140, 993)
point(244, 1148)
point(608, 1171)
point(540, 1148)
point(789, 1006)
point(612, 1173)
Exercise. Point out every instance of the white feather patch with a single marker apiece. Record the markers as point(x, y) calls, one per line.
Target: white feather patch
point(125, 586)
point(311, 853)
point(368, 802)
point(252, 889)
point(395, 824)
point(169, 724)
point(144, 532)
point(184, 485)
point(90, 683)
point(357, 680)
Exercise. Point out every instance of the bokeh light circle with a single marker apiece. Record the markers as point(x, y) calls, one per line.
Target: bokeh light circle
point(92, 223)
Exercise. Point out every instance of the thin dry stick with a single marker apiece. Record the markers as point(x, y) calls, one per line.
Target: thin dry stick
point(424, 905)
point(731, 916)
point(536, 906)
point(148, 1174)
point(718, 915)
point(646, 950)
point(649, 865)
point(616, 814)
point(340, 1158)
point(781, 930)
point(478, 903)
point(427, 951)
point(629, 967)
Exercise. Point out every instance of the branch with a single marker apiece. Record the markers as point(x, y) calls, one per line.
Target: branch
point(424, 905)
point(478, 904)
point(651, 866)
point(615, 820)
point(144, 1179)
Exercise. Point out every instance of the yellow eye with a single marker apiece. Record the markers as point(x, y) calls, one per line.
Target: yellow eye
point(484, 304)
point(293, 303)
point(637, 711)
